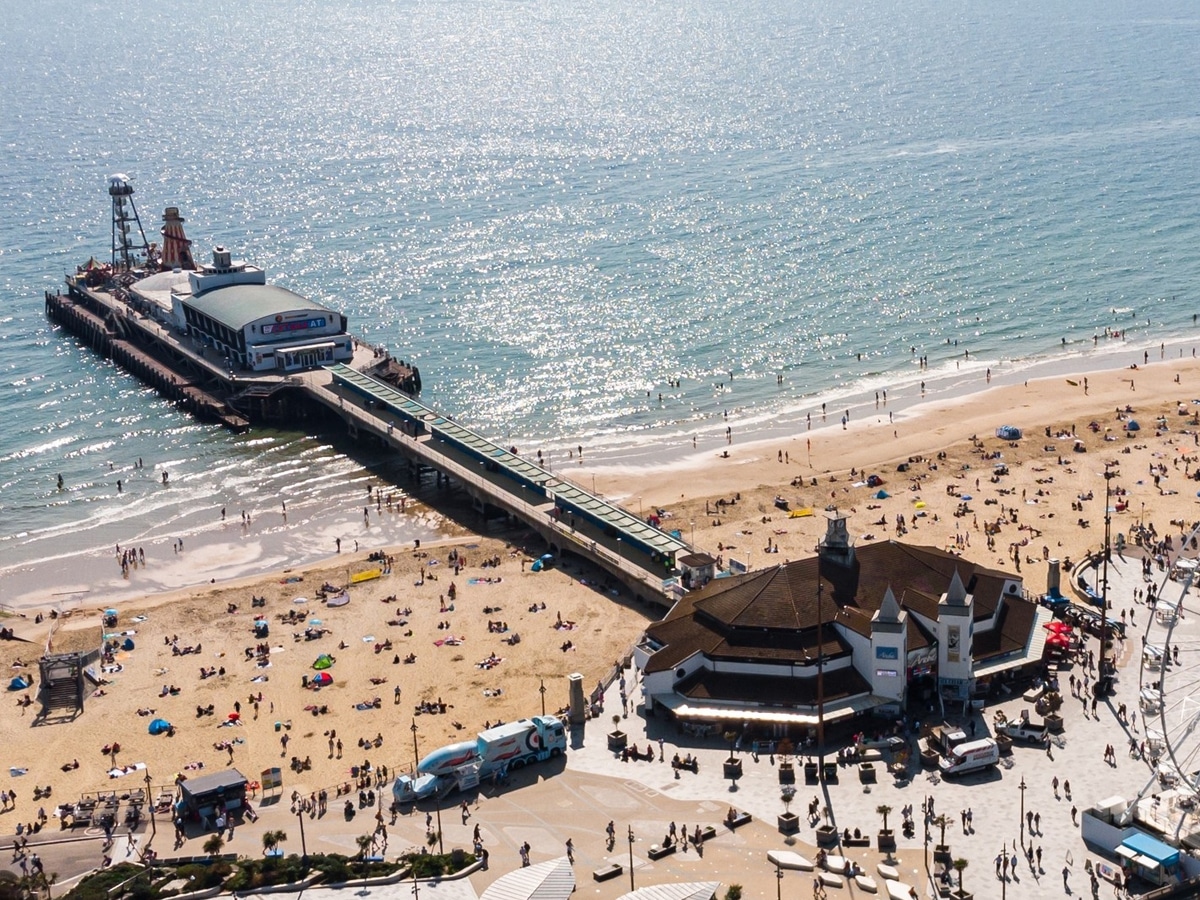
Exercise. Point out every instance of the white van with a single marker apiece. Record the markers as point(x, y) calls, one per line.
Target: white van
point(970, 756)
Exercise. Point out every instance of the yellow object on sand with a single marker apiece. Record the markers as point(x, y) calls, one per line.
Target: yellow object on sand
point(800, 513)
point(369, 575)
point(920, 504)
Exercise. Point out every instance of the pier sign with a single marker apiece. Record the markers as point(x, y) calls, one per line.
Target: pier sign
point(299, 325)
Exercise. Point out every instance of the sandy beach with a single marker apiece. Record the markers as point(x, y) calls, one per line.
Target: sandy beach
point(1036, 510)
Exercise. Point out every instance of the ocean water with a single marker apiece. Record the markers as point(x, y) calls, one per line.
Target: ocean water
point(559, 211)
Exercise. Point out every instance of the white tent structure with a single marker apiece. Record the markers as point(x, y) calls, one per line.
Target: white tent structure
point(550, 880)
point(688, 890)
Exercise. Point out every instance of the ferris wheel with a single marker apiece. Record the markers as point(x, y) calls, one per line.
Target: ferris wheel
point(1169, 684)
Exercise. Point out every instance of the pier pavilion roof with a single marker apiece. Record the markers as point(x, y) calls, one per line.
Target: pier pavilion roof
point(237, 305)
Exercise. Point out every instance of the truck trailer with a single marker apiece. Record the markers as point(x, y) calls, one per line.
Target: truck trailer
point(462, 765)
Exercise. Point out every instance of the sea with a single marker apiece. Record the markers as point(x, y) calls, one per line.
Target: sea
point(617, 225)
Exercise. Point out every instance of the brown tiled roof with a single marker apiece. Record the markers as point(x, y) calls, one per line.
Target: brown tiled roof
point(772, 613)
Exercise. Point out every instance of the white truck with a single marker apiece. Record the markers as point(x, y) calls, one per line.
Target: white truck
point(969, 756)
point(461, 766)
point(1025, 729)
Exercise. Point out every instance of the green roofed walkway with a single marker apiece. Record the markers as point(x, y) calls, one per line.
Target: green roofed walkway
point(569, 516)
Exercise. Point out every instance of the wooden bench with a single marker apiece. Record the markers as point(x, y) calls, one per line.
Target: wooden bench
point(657, 852)
point(604, 873)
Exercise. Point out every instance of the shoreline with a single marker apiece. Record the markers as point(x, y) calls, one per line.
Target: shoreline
point(623, 476)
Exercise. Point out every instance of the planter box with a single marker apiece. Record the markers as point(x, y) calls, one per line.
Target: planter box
point(789, 823)
point(941, 853)
point(887, 841)
point(866, 773)
point(617, 740)
point(787, 773)
point(1054, 723)
point(827, 836)
point(810, 773)
point(831, 772)
point(1004, 743)
point(732, 768)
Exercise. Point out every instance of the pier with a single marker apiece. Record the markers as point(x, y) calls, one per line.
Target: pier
point(367, 400)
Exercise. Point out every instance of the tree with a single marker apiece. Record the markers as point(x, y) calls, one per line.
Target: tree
point(942, 822)
point(733, 892)
point(883, 811)
point(787, 795)
point(365, 842)
point(272, 839)
point(784, 749)
point(959, 865)
point(214, 844)
point(730, 738)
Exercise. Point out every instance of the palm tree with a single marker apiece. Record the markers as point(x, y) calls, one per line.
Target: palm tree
point(364, 842)
point(959, 865)
point(731, 737)
point(883, 811)
point(214, 844)
point(272, 839)
point(942, 822)
point(787, 795)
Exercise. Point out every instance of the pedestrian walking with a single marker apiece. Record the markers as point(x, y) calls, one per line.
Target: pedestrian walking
point(1054, 784)
point(1065, 873)
point(1037, 822)
point(570, 851)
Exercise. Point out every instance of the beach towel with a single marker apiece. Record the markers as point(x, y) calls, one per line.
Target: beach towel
point(125, 770)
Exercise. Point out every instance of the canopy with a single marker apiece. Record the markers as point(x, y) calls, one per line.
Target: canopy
point(1059, 627)
point(695, 890)
point(18, 684)
point(324, 661)
point(551, 880)
point(110, 612)
point(1008, 432)
point(158, 726)
point(322, 679)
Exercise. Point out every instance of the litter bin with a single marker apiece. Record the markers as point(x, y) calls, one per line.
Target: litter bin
point(278, 725)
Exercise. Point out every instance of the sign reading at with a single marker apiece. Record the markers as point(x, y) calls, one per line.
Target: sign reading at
point(298, 325)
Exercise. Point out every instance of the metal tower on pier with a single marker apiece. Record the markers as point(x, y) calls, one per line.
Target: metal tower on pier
point(125, 243)
point(176, 248)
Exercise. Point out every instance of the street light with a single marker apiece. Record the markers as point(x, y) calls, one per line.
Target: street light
point(150, 803)
point(542, 691)
point(303, 843)
point(631, 887)
point(693, 540)
point(778, 882)
point(1004, 872)
point(416, 753)
point(1021, 787)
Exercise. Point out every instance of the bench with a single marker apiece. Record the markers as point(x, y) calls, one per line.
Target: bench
point(708, 833)
point(604, 873)
point(657, 852)
point(856, 842)
point(739, 820)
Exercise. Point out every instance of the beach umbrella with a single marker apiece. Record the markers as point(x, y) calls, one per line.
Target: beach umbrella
point(315, 622)
point(324, 661)
point(322, 679)
point(299, 599)
point(1057, 640)
point(966, 497)
point(1059, 627)
point(159, 726)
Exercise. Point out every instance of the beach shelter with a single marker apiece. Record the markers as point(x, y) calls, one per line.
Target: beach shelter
point(322, 679)
point(1132, 425)
point(18, 684)
point(1008, 433)
point(881, 494)
point(695, 890)
point(127, 644)
point(324, 661)
point(550, 880)
point(159, 726)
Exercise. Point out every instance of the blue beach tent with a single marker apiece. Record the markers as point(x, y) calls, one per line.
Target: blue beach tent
point(881, 494)
point(159, 726)
point(1008, 433)
point(18, 684)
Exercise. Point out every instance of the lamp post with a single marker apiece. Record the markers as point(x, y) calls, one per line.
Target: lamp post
point(542, 691)
point(1004, 873)
point(303, 843)
point(416, 753)
point(693, 539)
point(778, 882)
point(1021, 788)
point(631, 887)
point(925, 816)
point(150, 803)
